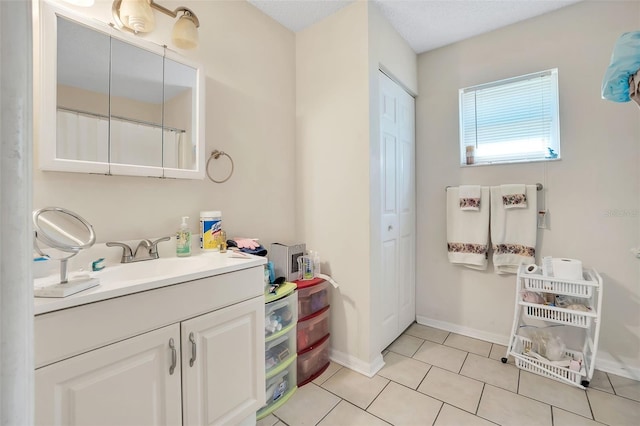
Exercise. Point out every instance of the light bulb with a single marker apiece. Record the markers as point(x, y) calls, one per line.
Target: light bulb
point(185, 33)
point(137, 15)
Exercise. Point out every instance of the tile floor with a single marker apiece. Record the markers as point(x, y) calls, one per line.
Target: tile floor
point(433, 377)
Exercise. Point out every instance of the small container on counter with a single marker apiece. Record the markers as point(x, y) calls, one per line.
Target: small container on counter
point(210, 230)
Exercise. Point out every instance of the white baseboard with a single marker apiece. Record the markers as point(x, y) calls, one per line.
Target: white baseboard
point(604, 361)
point(356, 364)
point(465, 331)
point(609, 364)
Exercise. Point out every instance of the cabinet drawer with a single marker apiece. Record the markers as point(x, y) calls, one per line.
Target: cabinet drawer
point(313, 329)
point(280, 314)
point(280, 387)
point(279, 350)
point(313, 361)
point(312, 298)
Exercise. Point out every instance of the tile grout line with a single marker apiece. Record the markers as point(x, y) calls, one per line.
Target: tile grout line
point(376, 397)
point(435, 419)
point(610, 383)
point(424, 378)
point(332, 408)
point(480, 399)
point(462, 365)
point(478, 408)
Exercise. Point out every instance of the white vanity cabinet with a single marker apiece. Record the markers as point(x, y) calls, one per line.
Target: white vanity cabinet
point(190, 353)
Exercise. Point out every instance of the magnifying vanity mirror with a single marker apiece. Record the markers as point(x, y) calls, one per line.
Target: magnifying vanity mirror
point(111, 103)
point(64, 233)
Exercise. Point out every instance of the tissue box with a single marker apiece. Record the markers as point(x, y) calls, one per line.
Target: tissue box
point(567, 269)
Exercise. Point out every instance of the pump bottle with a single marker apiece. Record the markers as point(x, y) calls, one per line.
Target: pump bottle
point(183, 239)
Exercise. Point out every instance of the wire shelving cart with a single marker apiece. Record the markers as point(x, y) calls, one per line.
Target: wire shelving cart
point(584, 313)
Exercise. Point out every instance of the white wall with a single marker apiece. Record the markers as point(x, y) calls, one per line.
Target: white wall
point(592, 194)
point(332, 143)
point(337, 63)
point(250, 112)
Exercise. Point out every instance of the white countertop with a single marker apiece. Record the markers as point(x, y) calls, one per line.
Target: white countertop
point(123, 279)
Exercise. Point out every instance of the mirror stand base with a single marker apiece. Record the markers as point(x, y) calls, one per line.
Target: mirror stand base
point(63, 290)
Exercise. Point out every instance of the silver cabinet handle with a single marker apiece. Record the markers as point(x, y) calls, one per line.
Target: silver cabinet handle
point(193, 349)
point(174, 356)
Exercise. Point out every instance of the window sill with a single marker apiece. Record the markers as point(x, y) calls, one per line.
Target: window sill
point(498, 163)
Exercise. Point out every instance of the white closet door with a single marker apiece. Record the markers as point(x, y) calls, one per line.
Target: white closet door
point(397, 144)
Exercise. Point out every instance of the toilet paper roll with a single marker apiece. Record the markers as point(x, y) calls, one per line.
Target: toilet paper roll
point(568, 269)
point(531, 269)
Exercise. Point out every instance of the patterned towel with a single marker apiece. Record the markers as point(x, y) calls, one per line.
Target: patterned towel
point(513, 231)
point(468, 231)
point(514, 196)
point(470, 197)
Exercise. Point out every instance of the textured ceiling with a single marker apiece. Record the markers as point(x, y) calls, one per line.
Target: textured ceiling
point(424, 24)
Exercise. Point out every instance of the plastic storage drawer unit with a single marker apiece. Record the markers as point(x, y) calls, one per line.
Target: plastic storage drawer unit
point(313, 296)
point(281, 383)
point(313, 361)
point(279, 349)
point(280, 315)
point(313, 329)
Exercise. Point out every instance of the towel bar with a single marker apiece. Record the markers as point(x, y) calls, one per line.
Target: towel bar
point(538, 187)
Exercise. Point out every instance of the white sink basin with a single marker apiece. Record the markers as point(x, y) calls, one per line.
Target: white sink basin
point(157, 268)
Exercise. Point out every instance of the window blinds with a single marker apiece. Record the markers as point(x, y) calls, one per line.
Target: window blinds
point(511, 120)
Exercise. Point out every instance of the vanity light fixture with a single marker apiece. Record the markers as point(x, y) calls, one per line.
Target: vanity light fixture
point(136, 16)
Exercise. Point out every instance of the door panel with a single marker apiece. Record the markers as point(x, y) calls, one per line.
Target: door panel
point(389, 293)
point(225, 384)
point(396, 297)
point(127, 383)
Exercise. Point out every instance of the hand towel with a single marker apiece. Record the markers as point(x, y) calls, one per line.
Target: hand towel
point(468, 231)
point(469, 197)
point(513, 231)
point(514, 196)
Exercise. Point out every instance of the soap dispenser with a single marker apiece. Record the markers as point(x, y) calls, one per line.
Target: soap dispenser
point(183, 239)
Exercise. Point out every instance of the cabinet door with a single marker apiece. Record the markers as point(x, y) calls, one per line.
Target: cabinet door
point(223, 364)
point(126, 383)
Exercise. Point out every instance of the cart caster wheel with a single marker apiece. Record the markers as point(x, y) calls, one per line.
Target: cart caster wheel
point(585, 383)
point(504, 360)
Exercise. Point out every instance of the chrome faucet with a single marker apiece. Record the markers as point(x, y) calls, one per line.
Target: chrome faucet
point(149, 250)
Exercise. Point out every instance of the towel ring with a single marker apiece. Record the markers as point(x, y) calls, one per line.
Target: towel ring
point(215, 155)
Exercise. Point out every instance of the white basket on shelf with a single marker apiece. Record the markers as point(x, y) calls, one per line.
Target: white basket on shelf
point(547, 369)
point(558, 315)
point(577, 288)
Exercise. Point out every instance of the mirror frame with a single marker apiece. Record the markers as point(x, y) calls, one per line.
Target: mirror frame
point(41, 235)
point(45, 31)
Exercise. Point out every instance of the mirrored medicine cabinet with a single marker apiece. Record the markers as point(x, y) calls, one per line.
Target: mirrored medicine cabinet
point(110, 103)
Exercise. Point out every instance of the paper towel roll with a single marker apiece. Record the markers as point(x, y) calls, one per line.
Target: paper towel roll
point(568, 269)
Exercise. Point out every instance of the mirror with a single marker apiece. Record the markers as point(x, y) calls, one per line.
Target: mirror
point(62, 229)
point(68, 232)
point(83, 93)
point(136, 105)
point(119, 105)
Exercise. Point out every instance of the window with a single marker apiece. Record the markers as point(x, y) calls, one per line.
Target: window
point(513, 120)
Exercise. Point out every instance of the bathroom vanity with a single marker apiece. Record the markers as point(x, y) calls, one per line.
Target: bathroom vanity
point(173, 341)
